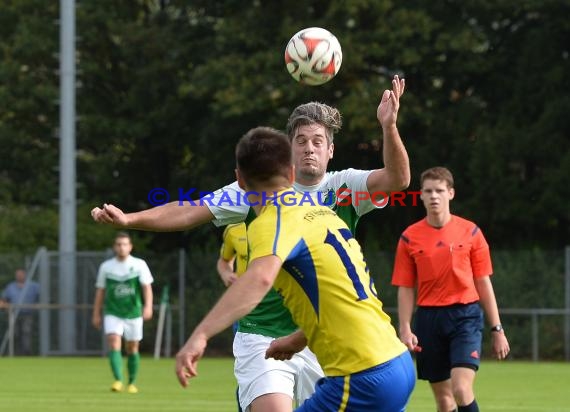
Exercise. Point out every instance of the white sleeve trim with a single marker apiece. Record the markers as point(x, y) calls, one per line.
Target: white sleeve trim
point(356, 181)
point(227, 205)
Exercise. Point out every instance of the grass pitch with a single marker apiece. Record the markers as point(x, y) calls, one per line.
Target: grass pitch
point(82, 384)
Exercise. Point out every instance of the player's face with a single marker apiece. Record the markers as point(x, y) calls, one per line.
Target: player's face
point(20, 276)
point(436, 196)
point(311, 153)
point(122, 247)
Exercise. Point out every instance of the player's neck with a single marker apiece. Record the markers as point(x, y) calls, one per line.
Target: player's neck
point(439, 219)
point(309, 181)
point(259, 197)
point(122, 258)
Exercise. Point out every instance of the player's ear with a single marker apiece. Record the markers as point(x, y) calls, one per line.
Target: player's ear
point(331, 150)
point(240, 180)
point(292, 175)
point(451, 193)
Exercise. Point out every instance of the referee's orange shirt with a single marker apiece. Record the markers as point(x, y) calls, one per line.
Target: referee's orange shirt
point(442, 262)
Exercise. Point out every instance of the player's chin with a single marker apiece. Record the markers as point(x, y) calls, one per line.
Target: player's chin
point(311, 171)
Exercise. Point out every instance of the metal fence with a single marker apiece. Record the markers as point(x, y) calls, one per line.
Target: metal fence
point(533, 293)
point(532, 288)
point(89, 340)
point(47, 316)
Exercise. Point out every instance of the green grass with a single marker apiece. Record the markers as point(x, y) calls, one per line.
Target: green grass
point(82, 384)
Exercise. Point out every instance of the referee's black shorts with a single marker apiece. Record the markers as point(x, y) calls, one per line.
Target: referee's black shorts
point(450, 336)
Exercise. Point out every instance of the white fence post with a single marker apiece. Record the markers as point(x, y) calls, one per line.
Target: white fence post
point(11, 325)
point(45, 314)
point(535, 343)
point(567, 304)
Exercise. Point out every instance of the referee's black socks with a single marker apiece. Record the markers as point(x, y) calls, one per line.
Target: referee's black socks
point(472, 407)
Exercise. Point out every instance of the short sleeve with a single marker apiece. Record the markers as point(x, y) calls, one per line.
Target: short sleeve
point(480, 255)
point(100, 283)
point(405, 272)
point(145, 276)
point(228, 205)
point(355, 180)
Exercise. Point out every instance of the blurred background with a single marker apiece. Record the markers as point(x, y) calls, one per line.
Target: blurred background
point(164, 89)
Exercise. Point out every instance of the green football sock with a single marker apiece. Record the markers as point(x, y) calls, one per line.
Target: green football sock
point(116, 361)
point(133, 362)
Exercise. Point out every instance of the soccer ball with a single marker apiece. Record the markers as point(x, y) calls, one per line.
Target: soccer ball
point(313, 56)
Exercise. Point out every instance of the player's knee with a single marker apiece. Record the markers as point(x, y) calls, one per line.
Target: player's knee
point(446, 406)
point(463, 393)
point(132, 347)
point(445, 402)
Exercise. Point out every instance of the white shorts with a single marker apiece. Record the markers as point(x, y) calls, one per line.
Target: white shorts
point(131, 329)
point(258, 376)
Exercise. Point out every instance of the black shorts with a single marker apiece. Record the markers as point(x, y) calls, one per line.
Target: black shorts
point(450, 336)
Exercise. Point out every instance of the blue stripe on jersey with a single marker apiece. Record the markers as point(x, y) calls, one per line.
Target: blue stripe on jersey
point(346, 234)
point(278, 228)
point(347, 262)
point(299, 264)
point(474, 232)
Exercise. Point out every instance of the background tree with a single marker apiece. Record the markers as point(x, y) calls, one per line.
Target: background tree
point(166, 88)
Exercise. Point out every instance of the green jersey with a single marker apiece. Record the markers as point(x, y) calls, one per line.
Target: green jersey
point(122, 282)
point(270, 317)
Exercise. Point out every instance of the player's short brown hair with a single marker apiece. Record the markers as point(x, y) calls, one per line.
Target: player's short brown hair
point(437, 173)
point(123, 235)
point(262, 155)
point(315, 112)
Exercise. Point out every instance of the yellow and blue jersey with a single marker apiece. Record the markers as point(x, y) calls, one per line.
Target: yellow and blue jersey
point(326, 285)
point(270, 317)
point(235, 245)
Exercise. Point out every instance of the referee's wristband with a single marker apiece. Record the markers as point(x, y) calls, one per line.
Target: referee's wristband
point(497, 328)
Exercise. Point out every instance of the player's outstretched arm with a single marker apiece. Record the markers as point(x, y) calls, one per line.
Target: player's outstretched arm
point(166, 218)
point(188, 356)
point(387, 112)
point(396, 172)
point(236, 302)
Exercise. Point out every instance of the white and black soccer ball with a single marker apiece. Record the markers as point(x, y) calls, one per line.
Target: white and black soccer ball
point(313, 56)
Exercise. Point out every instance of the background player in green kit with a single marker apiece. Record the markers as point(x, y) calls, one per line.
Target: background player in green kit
point(121, 282)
